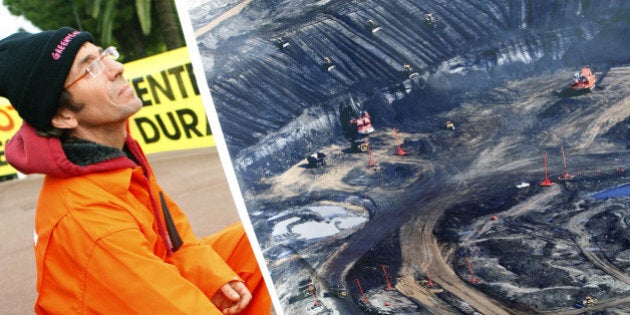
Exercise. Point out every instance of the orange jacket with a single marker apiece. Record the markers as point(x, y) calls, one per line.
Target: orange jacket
point(102, 241)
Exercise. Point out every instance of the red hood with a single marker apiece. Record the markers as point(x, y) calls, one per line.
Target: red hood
point(30, 153)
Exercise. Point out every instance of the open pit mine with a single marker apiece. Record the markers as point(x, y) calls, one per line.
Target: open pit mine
point(430, 157)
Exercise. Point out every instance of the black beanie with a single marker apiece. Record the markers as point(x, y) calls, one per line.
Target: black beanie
point(33, 70)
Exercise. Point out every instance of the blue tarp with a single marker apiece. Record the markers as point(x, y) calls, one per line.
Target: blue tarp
point(619, 191)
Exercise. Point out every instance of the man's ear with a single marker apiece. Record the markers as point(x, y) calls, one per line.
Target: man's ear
point(64, 119)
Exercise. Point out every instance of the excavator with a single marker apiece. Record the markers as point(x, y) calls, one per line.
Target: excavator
point(363, 129)
point(363, 123)
point(357, 125)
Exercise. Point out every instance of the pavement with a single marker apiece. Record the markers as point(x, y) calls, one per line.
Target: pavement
point(193, 178)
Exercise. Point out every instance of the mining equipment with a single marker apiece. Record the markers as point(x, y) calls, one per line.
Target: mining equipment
point(372, 26)
point(522, 185)
point(364, 298)
point(364, 127)
point(317, 301)
point(316, 160)
point(355, 119)
point(409, 71)
point(565, 175)
point(357, 125)
point(363, 123)
point(473, 279)
point(360, 144)
point(429, 20)
point(389, 285)
point(432, 287)
point(371, 163)
point(587, 302)
point(399, 149)
point(281, 43)
point(449, 125)
point(546, 182)
point(583, 80)
point(328, 64)
point(339, 291)
point(305, 289)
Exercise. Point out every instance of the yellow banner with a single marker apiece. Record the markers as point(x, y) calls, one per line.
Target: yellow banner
point(172, 116)
point(10, 122)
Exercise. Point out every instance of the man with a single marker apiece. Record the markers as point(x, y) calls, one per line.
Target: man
point(108, 240)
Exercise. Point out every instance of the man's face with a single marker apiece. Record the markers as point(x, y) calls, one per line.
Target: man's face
point(106, 98)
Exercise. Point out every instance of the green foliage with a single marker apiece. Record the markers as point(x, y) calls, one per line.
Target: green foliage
point(143, 7)
point(106, 21)
point(93, 8)
point(125, 24)
point(44, 14)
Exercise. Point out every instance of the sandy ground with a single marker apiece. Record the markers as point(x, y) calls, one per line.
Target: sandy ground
point(194, 178)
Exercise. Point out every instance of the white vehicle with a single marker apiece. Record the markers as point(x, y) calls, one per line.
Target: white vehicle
point(522, 185)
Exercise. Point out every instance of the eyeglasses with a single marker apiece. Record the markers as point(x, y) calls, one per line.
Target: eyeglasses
point(96, 67)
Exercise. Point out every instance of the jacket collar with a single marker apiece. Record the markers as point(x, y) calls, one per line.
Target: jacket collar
point(83, 152)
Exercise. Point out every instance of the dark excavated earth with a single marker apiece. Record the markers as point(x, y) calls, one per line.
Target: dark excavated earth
point(448, 228)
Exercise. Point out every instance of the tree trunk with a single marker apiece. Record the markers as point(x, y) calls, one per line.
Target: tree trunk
point(132, 42)
point(168, 23)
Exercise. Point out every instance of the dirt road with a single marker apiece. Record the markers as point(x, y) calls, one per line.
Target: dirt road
point(229, 13)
